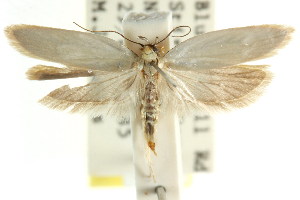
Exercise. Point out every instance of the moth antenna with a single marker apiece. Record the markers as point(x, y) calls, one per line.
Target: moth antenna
point(109, 32)
point(190, 29)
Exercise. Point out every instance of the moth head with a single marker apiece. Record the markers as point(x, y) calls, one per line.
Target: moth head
point(149, 53)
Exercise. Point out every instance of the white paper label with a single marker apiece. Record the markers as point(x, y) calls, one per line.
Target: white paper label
point(110, 148)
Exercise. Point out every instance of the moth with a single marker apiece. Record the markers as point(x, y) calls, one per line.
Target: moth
point(205, 72)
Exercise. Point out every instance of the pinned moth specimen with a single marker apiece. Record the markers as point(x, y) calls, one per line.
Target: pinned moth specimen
point(205, 72)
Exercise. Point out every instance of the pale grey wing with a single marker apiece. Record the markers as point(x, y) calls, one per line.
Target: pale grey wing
point(108, 93)
point(228, 47)
point(217, 89)
point(71, 48)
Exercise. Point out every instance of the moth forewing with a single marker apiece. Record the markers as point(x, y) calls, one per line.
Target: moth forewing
point(70, 48)
point(228, 47)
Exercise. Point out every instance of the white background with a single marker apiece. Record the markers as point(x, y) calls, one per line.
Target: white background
point(43, 152)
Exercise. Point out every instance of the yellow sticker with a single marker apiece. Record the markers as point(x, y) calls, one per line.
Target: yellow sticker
point(110, 181)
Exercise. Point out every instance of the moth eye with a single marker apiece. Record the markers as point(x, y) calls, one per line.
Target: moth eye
point(155, 49)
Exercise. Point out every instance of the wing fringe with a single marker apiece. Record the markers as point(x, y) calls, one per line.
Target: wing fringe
point(242, 89)
point(242, 101)
point(93, 109)
point(111, 94)
point(10, 34)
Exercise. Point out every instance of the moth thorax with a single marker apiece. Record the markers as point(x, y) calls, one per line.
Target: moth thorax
point(148, 53)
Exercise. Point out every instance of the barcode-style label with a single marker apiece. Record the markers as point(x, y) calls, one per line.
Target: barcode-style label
point(109, 147)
